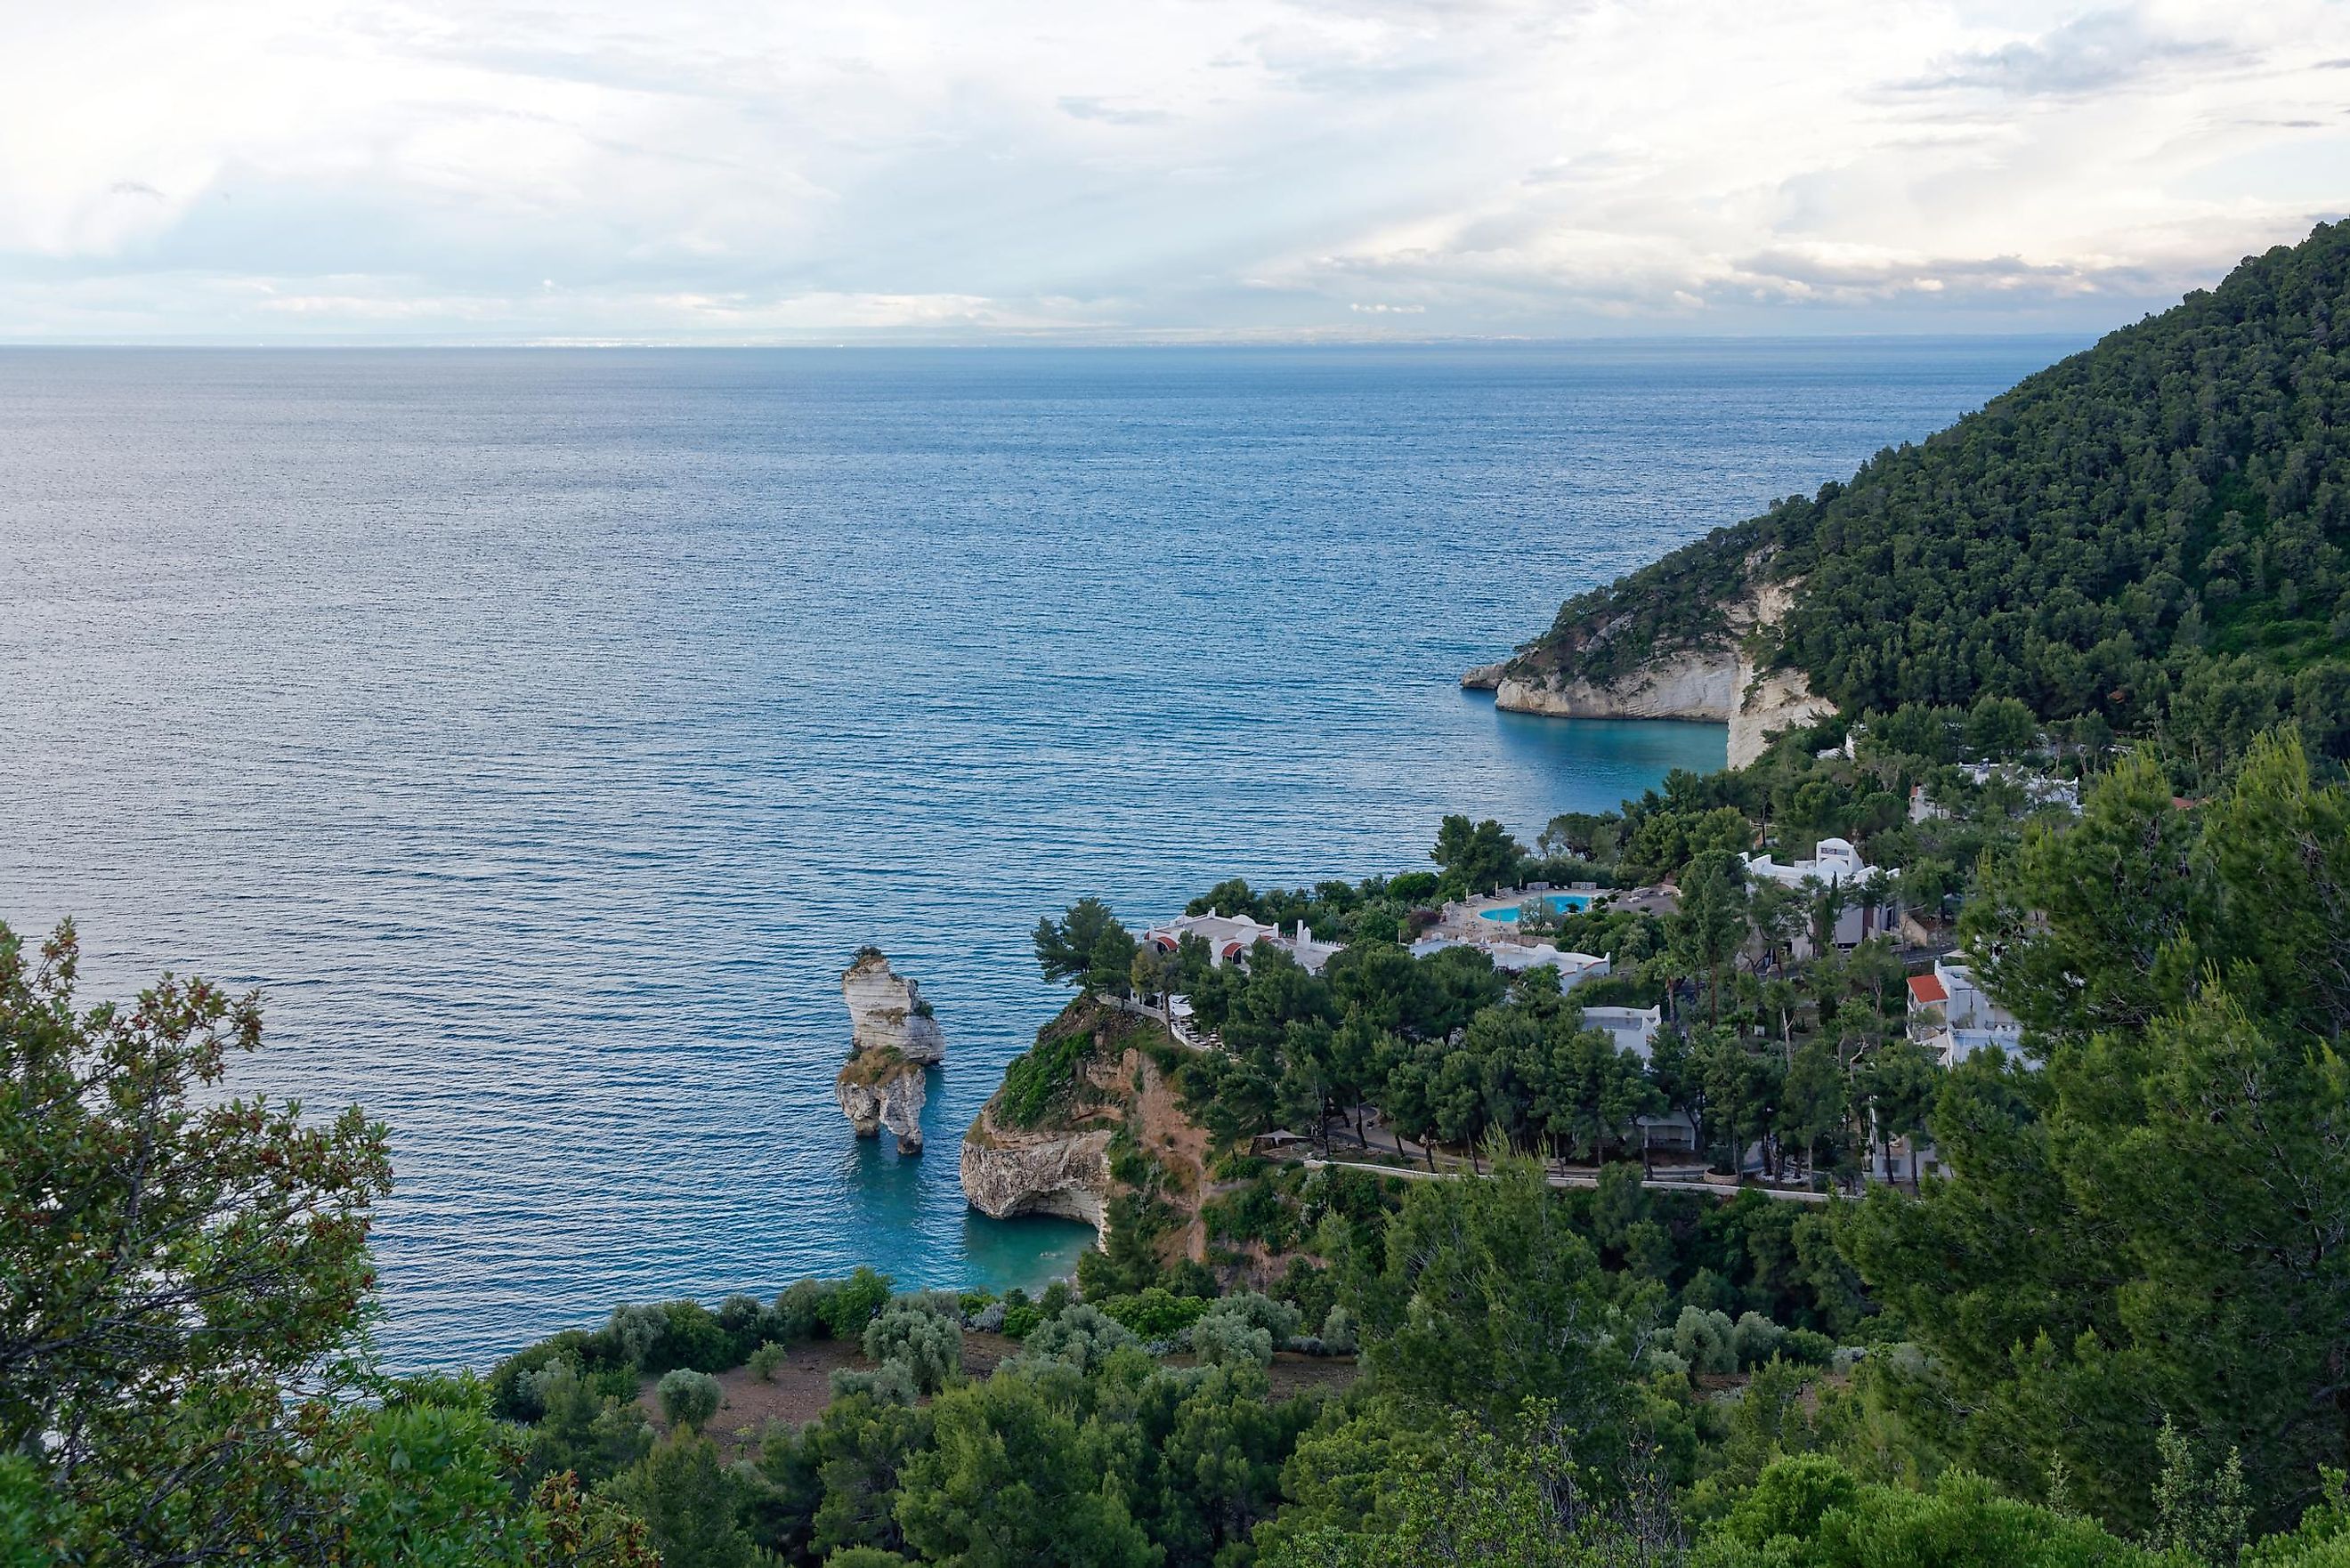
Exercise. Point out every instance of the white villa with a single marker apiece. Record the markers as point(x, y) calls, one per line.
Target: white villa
point(1953, 1017)
point(1833, 862)
point(1516, 958)
point(1229, 937)
point(1633, 1029)
point(2039, 789)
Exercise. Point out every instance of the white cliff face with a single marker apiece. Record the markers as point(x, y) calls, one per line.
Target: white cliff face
point(1007, 1171)
point(1720, 684)
point(891, 1038)
point(877, 1090)
point(886, 1012)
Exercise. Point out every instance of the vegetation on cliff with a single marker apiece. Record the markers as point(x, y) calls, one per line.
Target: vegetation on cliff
point(2155, 532)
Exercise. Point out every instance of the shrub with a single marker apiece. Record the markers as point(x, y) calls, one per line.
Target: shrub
point(635, 1330)
point(989, 1319)
point(1278, 1319)
point(1703, 1339)
point(691, 1337)
point(1081, 1336)
point(1660, 1359)
point(765, 1359)
point(799, 1312)
point(514, 1384)
point(849, 1304)
point(1225, 1339)
point(891, 1383)
point(1755, 1339)
point(1338, 1332)
point(1808, 1346)
point(929, 1344)
point(1157, 1312)
point(743, 1317)
point(689, 1397)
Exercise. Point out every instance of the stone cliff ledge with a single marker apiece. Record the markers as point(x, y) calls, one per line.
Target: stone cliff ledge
point(1717, 683)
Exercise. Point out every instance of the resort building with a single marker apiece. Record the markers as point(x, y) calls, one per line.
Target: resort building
point(1953, 1017)
point(1517, 957)
point(1835, 863)
point(1633, 1029)
point(2039, 789)
point(1228, 935)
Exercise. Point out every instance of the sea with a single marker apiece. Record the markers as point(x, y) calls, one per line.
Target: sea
point(541, 732)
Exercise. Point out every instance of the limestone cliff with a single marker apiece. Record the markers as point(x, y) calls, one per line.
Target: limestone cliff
point(879, 1089)
point(1085, 1126)
point(891, 1038)
point(1716, 680)
point(886, 1013)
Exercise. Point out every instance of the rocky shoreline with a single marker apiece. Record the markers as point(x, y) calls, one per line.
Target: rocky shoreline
point(892, 1039)
point(1718, 683)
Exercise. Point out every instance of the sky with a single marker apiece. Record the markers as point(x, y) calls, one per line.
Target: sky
point(708, 171)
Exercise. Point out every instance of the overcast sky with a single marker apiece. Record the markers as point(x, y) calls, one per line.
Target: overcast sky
point(705, 169)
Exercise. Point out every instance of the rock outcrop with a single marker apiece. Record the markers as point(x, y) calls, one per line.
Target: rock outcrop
point(892, 1037)
point(886, 1012)
point(1052, 1155)
point(1047, 1170)
point(1717, 683)
point(879, 1089)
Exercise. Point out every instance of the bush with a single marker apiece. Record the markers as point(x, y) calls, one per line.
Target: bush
point(691, 1337)
point(989, 1319)
point(1339, 1333)
point(1221, 1339)
point(633, 1331)
point(744, 1318)
point(799, 1312)
point(891, 1383)
point(765, 1359)
point(1704, 1340)
point(927, 1342)
point(1082, 1336)
point(514, 1384)
point(1278, 1319)
point(848, 1305)
point(1809, 1347)
point(689, 1397)
point(1157, 1312)
point(1755, 1339)
point(1660, 1359)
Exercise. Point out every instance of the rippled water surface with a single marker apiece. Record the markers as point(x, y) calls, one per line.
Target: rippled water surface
point(543, 731)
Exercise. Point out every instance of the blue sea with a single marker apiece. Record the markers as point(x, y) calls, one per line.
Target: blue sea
point(543, 731)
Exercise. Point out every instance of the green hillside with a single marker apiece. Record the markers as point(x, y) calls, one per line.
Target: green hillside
point(2156, 530)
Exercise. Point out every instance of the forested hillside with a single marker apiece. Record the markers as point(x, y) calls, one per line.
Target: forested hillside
point(2153, 531)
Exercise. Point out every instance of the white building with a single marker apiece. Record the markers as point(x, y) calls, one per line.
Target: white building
point(2038, 789)
point(1633, 1029)
point(1834, 863)
point(1230, 936)
point(1954, 1017)
point(1516, 958)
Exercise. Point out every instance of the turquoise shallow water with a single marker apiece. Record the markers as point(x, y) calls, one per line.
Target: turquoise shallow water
point(544, 730)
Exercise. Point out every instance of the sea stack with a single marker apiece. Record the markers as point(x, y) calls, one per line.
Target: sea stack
point(891, 1038)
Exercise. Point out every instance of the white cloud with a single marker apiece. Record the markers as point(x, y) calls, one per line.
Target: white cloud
point(733, 169)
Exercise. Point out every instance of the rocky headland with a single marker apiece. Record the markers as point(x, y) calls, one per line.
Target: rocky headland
point(1718, 676)
point(892, 1038)
point(1085, 1126)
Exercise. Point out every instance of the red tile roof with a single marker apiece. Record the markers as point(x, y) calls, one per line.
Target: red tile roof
point(1926, 990)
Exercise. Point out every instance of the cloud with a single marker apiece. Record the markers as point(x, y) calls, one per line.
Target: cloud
point(2102, 52)
point(598, 169)
point(1078, 108)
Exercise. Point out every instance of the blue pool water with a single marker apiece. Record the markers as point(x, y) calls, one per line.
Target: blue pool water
point(544, 730)
point(1560, 904)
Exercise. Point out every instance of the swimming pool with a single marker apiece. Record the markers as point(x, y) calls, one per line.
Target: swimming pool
point(1560, 904)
